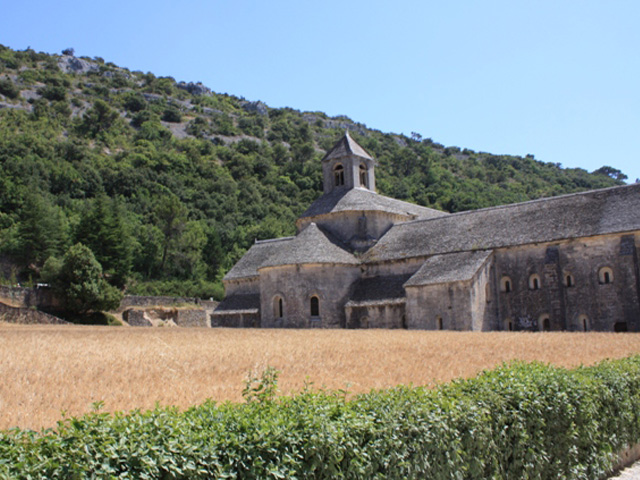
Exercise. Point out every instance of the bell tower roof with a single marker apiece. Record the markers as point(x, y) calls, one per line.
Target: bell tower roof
point(345, 147)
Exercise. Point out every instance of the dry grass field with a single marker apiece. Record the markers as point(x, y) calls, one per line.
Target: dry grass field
point(45, 370)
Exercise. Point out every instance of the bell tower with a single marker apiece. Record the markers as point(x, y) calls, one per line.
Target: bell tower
point(346, 166)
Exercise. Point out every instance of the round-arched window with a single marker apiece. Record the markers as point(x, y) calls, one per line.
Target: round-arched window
point(314, 306)
point(506, 285)
point(278, 306)
point(534, 282)
point(338, 175)
point(569, 280)
point(605, 275)
point(544, 322)
point(583, 323)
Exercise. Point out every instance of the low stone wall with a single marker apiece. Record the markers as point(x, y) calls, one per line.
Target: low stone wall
point(27, 316)
point(192, 318)
point(27, 297)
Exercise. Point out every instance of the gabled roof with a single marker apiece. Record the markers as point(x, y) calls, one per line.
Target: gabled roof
point(379, 290)
point(597, 212)
point(361, 199)
point(452, 267)
point(344, 147)
point(311, 245)
point(259, 252)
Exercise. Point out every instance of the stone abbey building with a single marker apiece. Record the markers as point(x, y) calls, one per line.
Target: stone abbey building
point(363, 260)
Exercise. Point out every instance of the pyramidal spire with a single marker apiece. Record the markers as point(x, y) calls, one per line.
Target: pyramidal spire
point(346, 146)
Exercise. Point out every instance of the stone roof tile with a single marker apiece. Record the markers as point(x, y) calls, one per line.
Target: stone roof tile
point(361, 199)
point(452, 267)
point(377, 290)
point(344, 147)
point(597, 212)
point(311, 245)
point(243, 303)
point(259, 252)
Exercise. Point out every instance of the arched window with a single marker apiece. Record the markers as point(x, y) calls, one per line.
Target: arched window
point(278, 307)
point(568, 280)
point(583, 322)
point(314, 306)
point(487, 293)
point(505, 284)
point(605, 275)
point(439, 324)
point(545, 323)
point(363, 176)
point(534, 282)
point(338, 175)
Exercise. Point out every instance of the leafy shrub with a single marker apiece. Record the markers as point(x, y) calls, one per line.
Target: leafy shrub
point(528, 421)
point(172, 114)
point(9, 89)
point(53, 92)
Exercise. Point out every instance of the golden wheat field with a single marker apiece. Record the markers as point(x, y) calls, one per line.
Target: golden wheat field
point(45, 370)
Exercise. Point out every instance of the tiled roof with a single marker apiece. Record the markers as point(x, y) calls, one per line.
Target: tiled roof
point(259, 252)
point(378, 290)
point(344, 147)
point(361, 199)
point(598, 212)
point(452, 267)
point(246, 303)
point(311, 245)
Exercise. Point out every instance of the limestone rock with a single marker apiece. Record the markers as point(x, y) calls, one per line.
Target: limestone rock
point(194, 88)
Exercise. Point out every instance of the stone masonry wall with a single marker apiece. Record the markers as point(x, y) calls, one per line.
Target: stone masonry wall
point(27, 316)
point(584, 300)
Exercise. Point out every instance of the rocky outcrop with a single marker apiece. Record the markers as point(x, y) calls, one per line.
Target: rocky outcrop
point(69, 64)
point(194, 88)
point(255, 107)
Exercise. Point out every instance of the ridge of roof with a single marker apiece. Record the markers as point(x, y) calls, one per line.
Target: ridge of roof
point(528, 202)
point(346, 146)
point(311, 245)
point(272, 240)
point(582, 214)
point(362, 199)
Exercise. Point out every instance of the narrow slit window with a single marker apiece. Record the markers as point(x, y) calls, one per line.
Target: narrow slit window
point(363, 176)
point(314, 306)
point(338, 175)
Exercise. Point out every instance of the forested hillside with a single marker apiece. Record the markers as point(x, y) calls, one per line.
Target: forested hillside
point(169, 183)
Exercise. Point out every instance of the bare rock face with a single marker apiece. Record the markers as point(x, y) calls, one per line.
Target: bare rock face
point(255, 107)
point(194, 88)
point(69, 64)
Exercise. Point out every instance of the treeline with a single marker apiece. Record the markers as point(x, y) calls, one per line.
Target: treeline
point(168, 184)
point(519, 421)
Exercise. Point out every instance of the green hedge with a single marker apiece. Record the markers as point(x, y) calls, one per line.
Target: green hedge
point(520, 421)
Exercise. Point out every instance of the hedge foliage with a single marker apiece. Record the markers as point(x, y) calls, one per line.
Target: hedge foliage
point(520, 421)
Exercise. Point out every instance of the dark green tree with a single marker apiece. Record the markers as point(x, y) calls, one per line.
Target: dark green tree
point(100, 118)
point(104, 230)
point(79, 282)
point(42, 231)
point(171, 215)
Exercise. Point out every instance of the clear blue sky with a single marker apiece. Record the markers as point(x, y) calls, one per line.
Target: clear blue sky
point(559, 79)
